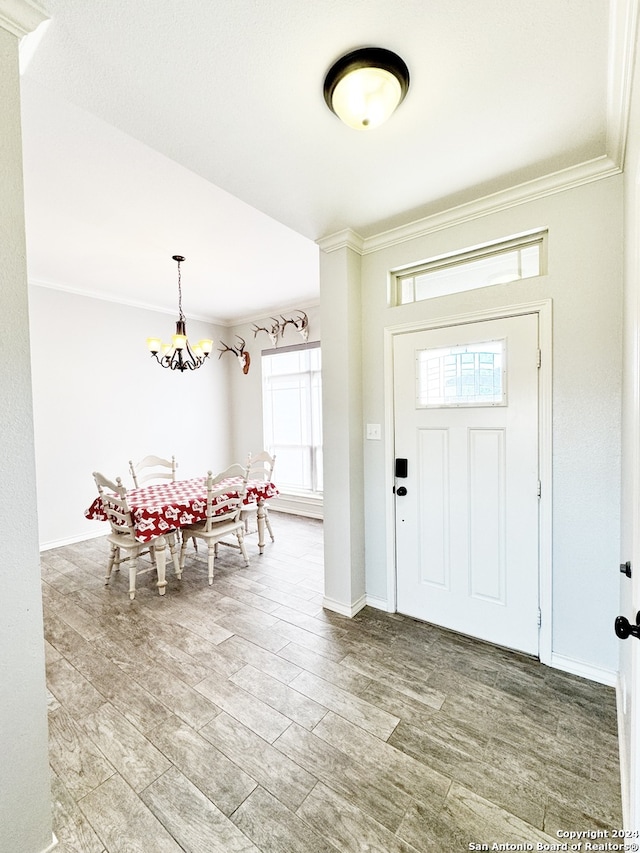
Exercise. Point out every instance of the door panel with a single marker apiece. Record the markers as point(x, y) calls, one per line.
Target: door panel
point(467, 529)
point(434, 500)
point(486, 501)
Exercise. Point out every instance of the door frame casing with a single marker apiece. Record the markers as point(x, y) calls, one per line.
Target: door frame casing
point(543, 309)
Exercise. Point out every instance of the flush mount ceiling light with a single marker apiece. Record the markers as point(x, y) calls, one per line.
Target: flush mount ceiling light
point(364, 87)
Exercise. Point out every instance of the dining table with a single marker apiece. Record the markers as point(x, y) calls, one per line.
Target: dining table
point(162, 508)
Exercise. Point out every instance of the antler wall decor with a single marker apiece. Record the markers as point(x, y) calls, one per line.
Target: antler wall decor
point(300, 323)
point(244, 359)
point(274, 332)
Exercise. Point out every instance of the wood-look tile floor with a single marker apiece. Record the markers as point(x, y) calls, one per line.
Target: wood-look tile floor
point(243, 717)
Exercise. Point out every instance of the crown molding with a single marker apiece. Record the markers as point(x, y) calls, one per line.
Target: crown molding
point(623, 25)
point(556, 182)
point(341, 240)
point(129, 303)
point(171, 312)
point(21, 17)
point(253, 318)
point(575, 176)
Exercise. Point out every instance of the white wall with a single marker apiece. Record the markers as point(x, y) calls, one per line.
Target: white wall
point(585, 284)
point(25, 818)
point(100, 399)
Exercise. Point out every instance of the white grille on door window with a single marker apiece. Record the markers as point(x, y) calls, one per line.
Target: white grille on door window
point(470, 375)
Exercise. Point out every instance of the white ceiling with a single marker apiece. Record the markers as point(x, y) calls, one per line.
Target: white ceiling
point(199, 128)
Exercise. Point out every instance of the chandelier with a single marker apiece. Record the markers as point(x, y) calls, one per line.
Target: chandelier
point(179, 354)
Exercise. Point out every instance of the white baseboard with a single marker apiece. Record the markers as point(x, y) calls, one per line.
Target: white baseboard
point(584, 670)
point(379, 603)
point(344, 609)
point(60, 543)
point(297, 505)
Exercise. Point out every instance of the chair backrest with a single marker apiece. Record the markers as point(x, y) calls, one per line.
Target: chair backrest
point(153, 468)
point(224, 502)
point(114, 503)
point(261, 466)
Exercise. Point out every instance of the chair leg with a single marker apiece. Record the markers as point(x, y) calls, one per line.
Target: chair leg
point(183, 552)
point(171, 539)
point(132, 575)
point(113, 553)
point(268, 523)
point(243, 550)
point(212, 556)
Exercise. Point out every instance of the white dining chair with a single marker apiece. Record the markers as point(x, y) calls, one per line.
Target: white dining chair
point(122, 536)
point(153, 468)
point(260, 468)
point(224, 505)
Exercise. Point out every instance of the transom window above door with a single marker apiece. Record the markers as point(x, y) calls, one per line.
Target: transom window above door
point(495, 263)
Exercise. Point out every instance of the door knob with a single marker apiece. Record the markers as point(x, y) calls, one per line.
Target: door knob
point(624, 628)
point(401, 491)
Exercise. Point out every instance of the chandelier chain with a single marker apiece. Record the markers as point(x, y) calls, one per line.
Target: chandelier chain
point(180, 293)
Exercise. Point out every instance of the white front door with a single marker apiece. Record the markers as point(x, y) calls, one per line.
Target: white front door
point(466, 421)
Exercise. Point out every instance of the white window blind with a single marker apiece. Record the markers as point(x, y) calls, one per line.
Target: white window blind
point(292, 415)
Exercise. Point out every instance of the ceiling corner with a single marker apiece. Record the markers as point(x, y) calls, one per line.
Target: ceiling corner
point(340, 240)
point(623, 24)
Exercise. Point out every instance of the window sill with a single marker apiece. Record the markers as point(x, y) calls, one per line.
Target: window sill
point(298, 503)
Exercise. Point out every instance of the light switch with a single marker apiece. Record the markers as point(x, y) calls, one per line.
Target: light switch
point(373, 432)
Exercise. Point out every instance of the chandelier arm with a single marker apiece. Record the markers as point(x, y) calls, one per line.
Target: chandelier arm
point(185, 362)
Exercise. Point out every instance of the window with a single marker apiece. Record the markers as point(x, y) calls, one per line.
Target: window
point(469, 375)
point(292, 415)
point(498, 263)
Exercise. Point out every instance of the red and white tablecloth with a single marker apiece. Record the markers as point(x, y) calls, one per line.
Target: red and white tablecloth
point(163, 507)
